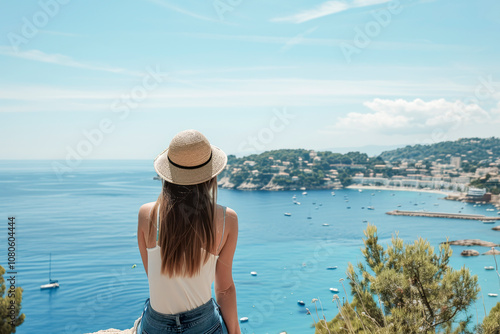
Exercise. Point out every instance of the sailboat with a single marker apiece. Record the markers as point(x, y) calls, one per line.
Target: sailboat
point(52, 283)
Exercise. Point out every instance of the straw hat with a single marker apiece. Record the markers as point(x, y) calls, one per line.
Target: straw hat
point(190, 159)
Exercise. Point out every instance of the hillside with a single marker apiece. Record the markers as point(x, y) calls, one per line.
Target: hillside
point(479, 151)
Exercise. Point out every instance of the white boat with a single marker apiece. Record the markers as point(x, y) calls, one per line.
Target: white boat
point(288, 214)
point(49, 286)
point(304, 193)
point(360, 190)
point(326, 224)
point(301, 303)
point(489, 268)
point(253, 273)
point(488, 221)
point(334, 290)
point(493, 294)
point(52, 283)
point(370, 208)
point(298, 203)
point(244, 319)
point(490, 209)
point(333, 193)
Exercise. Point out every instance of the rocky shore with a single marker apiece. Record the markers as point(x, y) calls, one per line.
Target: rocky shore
point(471, 242)
point(114, 331)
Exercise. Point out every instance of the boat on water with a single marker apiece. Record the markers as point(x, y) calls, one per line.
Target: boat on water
point(488, 221)
point(326, 224)
point(490, 209)
point(360, 190)
point(243, 319)
point(373, 194)
point(489, 268)
point(52, 283)
point(309, 217)
point(334, 290)
point(436, 204)
point(331, 268)
point(493, 294)
point(301, 303)
point(288, 214)
point(370, 208)
point(348, 207)
point(365, 221)
point(399, 205)
point(298, 203)
point(333, 193)
point(304, 193)
point(253, 273)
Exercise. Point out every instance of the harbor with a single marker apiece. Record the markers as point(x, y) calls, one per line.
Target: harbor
point(442, 215)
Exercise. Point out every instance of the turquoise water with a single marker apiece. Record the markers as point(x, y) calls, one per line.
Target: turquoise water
point(87, 220)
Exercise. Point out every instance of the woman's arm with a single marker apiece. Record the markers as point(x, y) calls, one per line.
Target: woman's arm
point(225, 291)
point(142, 226)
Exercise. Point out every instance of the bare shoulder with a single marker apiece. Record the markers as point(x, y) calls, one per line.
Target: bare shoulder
point(144, 212)
point(231, 219)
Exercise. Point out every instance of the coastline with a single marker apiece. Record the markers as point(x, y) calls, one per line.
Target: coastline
point(357, 186)
point(114, 331)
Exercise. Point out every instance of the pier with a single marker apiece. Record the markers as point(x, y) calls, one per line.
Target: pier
point(441, 215)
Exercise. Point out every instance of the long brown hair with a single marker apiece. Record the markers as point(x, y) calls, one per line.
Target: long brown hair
point(187, 224)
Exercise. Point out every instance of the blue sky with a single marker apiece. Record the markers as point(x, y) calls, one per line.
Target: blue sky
point(118, 79)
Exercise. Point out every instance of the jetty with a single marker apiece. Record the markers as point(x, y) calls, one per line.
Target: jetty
point(441, 215)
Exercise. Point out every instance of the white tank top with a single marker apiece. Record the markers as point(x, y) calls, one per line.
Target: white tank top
point(172, 295)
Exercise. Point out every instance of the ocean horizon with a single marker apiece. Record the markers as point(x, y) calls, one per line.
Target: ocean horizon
point(86, 218)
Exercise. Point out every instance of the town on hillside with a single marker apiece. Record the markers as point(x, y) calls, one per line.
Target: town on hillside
point(469, 166)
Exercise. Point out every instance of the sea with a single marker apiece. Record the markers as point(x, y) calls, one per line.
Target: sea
point(84, 218)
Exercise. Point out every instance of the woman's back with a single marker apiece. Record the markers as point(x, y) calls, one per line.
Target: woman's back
point(171, 295)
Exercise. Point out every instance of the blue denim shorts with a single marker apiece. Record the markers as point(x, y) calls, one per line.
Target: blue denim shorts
point(205, 319)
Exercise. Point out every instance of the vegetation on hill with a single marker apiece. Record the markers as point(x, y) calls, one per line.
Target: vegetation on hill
point(407, 288)
point(310, 169)
point(10, 307)
point(479, 151)
point(486, 183)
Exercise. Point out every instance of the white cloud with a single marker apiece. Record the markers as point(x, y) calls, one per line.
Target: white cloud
point(417, 116)
point(298, 39)
point(170, 6)
point(62, 60)
point(327, 8)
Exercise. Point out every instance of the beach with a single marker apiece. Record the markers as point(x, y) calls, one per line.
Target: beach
point(435, 191)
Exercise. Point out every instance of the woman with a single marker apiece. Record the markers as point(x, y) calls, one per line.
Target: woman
point(187, 242)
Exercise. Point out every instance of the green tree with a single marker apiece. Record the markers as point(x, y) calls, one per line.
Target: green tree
point(491, 324)
point(405, 288)
point(10, 307)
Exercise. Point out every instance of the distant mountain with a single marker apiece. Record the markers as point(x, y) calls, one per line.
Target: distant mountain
point(370, 150)
point(474, 150)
